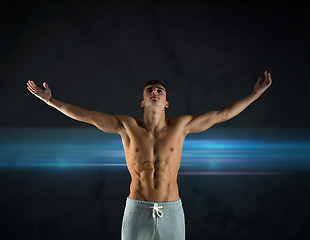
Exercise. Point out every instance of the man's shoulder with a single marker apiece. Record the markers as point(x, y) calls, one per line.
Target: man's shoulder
point(181, 119)
point(125, 118)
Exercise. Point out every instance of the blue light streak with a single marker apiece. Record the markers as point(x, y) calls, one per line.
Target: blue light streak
point(215, 152)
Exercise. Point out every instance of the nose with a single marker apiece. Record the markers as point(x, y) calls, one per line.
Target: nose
point(154, 91)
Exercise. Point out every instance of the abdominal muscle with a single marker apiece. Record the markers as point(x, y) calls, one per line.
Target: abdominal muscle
point(153, 160)
point(154, 181)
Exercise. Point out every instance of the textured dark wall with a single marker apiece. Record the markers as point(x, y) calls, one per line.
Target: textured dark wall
point(88, 204)
point(99, 55)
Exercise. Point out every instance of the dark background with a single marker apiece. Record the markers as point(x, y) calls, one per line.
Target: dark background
point(98, 55)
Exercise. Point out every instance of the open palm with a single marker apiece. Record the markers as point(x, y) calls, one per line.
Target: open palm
point(44, 95)
point(260, 86)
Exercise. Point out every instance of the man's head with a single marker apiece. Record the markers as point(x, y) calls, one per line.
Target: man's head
point(154, 94)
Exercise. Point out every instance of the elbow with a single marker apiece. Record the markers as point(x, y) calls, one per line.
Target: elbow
point(86, 116)
point(222, 116)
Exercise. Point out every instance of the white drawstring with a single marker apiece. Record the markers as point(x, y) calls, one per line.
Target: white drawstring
point(156, 210)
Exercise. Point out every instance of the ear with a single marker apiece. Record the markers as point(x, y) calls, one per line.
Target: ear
point(167, 104)
point(142, 104)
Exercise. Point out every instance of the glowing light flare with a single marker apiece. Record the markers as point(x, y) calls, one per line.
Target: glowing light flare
point(234, 173)
point(253, 152)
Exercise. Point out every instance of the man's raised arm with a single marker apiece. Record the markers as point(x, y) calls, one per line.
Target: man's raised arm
point(204, 121)
point(105, 122)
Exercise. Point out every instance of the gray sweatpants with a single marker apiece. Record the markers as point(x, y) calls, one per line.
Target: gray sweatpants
point(153, 221)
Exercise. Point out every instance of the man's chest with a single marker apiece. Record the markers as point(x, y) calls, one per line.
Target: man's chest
point(141, 141)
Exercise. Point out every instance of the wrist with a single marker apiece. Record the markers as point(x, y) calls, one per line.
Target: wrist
point(49, 101)
point(255, 95)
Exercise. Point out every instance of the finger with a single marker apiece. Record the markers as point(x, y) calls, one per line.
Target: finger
point(266, 75)
point(45, 85)
point(34, 85)
point(32, 88)
point(31, 83)
point(35, 89)
point(259, 80)
point(29, 89)
point(270, 80)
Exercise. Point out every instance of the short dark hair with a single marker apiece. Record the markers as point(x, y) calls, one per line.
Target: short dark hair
point(155, 81)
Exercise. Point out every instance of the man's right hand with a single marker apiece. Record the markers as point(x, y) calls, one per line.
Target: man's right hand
point(44, 95)
point(105, 122)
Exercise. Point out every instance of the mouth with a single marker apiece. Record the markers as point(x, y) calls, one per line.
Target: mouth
point(154, 97)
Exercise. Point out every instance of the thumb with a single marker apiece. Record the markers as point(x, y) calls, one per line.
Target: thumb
point(45, 85)
point(259, 80)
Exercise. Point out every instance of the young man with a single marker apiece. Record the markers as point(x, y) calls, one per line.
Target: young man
point(153, 150)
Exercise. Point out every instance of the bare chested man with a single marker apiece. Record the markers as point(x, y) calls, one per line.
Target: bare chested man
point(153, 149)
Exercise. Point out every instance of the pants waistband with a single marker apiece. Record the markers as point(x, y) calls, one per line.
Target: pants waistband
point(131, 203)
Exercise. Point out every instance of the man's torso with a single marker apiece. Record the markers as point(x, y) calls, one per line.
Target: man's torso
point(153, 159)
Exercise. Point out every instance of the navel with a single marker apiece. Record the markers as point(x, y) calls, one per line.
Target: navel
point(137, 149)
point(171, 149)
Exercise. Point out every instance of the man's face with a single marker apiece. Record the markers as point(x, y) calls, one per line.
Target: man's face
point(154, 95)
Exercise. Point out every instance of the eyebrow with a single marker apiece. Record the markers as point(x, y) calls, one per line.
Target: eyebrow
point(154, 87)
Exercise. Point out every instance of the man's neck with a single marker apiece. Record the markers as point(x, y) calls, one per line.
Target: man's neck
point(154, 119)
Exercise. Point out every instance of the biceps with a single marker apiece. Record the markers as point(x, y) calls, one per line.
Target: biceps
point(200, 123)
point(105, 122)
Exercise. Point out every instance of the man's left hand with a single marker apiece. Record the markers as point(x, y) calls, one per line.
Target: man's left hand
point(260, 86)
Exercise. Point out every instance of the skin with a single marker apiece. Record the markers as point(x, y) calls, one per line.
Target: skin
point(153, 145)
